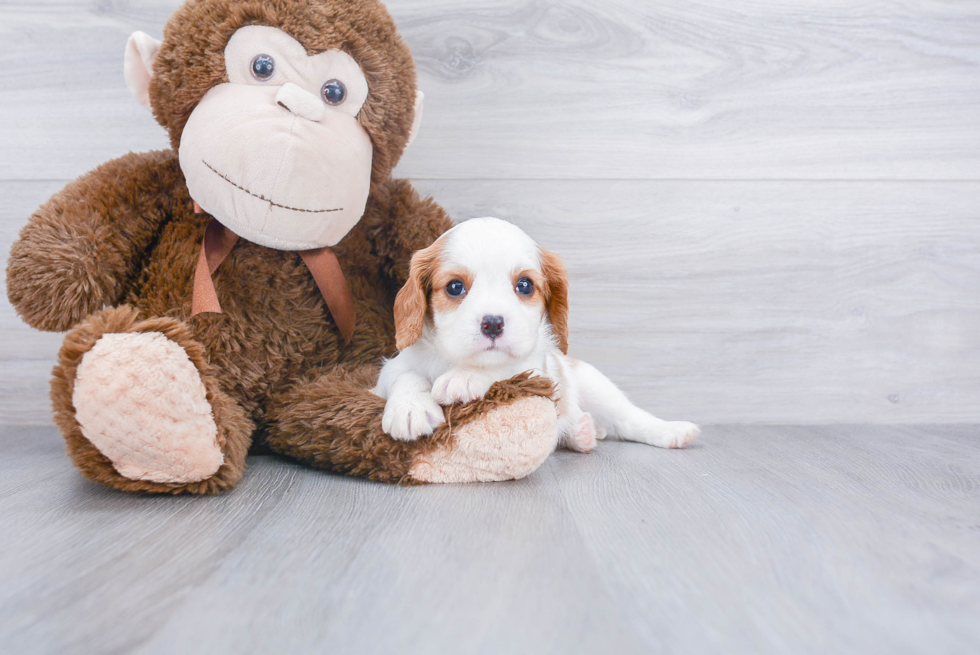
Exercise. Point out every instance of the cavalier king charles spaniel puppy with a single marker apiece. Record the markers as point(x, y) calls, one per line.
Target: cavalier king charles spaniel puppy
point(485, 303)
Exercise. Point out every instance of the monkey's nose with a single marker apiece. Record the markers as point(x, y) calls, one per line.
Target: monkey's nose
point(300, 102)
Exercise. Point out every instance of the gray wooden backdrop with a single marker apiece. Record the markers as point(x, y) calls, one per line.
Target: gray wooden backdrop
point(769, 209)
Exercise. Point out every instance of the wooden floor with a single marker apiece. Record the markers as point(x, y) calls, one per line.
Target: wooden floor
point(755, 540)
point(770, 215)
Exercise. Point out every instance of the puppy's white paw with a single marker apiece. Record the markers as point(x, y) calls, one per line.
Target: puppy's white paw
point(584, 435)
point(662, 434)
point(677, 434)
point(460, 386)
point(409, 417)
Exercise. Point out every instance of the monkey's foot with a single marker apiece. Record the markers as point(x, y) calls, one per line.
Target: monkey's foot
point(505, 436)
point(141, 401)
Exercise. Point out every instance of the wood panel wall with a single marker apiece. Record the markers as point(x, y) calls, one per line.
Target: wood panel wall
point(770, 209)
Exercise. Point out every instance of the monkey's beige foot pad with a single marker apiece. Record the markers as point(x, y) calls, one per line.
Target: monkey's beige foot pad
point(507, 443)
point(140, 400)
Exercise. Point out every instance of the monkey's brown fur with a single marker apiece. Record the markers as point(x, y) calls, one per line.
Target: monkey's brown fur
point(275, 368)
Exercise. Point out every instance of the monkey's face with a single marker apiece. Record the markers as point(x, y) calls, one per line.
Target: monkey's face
point(277, 154)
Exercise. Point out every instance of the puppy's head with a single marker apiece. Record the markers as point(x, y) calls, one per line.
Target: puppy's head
point(487, 292)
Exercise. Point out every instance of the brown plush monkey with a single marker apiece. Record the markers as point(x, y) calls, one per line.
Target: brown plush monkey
point(236, 292)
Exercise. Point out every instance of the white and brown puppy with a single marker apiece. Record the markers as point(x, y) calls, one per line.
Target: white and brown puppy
point(482, 304)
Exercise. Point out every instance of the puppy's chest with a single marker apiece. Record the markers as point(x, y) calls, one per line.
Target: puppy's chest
point(556, 367)
point(552, 366)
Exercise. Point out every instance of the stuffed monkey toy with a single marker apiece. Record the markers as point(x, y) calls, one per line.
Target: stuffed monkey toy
point(235, 293)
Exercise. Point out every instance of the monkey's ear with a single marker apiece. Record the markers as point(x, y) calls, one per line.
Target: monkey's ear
point(141, 50)
point(417, 121)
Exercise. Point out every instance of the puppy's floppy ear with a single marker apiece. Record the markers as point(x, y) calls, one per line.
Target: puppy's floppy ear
point(556, 296)
point(412, 302)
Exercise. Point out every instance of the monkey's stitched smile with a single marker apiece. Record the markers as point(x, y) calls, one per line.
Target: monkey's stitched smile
point(268, 200)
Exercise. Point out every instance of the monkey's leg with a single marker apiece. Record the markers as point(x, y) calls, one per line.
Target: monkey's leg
point(140, 412)
point(333, 421)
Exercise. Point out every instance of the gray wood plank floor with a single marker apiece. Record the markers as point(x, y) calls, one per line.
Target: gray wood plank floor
point(756, 540)
point(769, 210)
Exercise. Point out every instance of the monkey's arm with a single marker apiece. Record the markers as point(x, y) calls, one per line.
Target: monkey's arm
point(406, 222)
point(80, 250)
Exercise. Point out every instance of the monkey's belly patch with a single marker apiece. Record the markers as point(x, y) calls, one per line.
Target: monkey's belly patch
point(139, 399)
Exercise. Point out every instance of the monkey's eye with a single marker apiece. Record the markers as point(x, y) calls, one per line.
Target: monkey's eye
point(263, 68)
point(525, 287)
point(334, 92)
point(456, 288)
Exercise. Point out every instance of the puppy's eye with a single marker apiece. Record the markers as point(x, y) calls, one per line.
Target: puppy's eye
point(263, 68)
point(525, 287)
point(456, 288)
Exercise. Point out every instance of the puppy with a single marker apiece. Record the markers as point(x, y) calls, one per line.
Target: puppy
point(482, 304)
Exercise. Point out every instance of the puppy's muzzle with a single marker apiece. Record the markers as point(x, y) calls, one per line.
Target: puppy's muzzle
point(492, 326)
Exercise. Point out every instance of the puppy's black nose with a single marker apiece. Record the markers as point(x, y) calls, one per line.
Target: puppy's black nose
point(492, 326)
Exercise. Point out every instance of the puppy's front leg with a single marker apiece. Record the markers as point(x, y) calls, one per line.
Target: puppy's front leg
point(410, 411)
point(460, 386)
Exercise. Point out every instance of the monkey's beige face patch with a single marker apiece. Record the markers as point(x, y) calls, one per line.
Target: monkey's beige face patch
point(276, 154)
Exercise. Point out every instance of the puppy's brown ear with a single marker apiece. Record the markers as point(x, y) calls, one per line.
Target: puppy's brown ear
point(556, 301)
point(412, 301)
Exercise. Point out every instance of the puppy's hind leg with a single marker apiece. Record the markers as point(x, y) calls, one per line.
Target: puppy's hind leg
point(579, 432)
point(621, 419)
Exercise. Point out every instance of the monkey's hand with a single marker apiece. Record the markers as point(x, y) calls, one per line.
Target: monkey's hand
point(80, 251)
